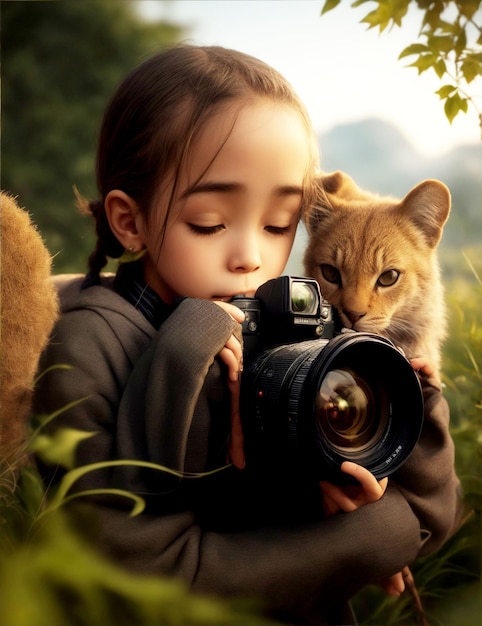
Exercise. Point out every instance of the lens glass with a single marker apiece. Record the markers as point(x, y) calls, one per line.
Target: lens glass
point(304, 298)
point(350, 413)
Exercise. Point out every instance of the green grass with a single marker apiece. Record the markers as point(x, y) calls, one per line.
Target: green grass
point(448, 582)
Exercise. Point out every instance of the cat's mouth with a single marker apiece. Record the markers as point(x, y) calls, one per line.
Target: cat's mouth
point(362, 323)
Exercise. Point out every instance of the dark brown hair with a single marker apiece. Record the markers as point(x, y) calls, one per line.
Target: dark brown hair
point(155, 114)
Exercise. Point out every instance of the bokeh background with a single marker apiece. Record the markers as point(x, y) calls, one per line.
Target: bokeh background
point(376, 119)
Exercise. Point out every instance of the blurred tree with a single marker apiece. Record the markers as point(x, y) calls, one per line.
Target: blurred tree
point(61, 61)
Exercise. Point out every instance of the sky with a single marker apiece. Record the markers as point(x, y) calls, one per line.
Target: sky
point(342, 71)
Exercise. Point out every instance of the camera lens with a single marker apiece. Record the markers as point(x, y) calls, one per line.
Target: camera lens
point(304, 298)
point(348, 412)
point(321, 402)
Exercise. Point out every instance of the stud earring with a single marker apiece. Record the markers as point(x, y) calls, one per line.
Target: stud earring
point(130, 255)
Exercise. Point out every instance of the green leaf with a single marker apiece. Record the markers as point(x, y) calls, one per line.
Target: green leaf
point(440, 68)
point(424, 62)
point(460, 43)
point(358, 3)
point(31, 491)
point(71, 477)
point(399, 10)
point(467, 8)
point(139, 503)
point(46, 419)
point(470, 69)
point(445, 91)
point(414, 48)
point(432, 16)
point(441, 43)
point(475, 56)
point(59, 447)
point(49, 369)
point(379, 17)
point(329, 6)
point(454, 28)
point(454, 105)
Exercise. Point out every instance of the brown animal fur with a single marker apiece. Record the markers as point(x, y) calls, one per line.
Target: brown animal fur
point(358, 241)
point(29, 309)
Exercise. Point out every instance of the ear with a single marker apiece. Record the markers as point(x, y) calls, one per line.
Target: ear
point(428, 207)
point(124, 219)
point(340, 184)
point(330, 187)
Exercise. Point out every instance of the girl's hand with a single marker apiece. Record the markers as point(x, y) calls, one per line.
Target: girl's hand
point(348, 498)
point(236, 442)
point(232, 357)
point(395, 585)
point(426, 371)
point(423, 365)
point(232, 353)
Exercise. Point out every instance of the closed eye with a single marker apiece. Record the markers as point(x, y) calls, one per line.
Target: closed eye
point(331, 274)
point(279, 230)
point(388, 278)
point(206, 230)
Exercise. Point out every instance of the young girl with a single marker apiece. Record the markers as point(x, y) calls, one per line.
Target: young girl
point(206, 161)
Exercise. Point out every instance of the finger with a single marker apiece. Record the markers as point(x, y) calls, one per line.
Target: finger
point(372, 488)
point(397, 582)
point(236, 444)
point(424, 365)
point(232, 356)
point(394, 586)
point(236, 313)
point(233, 344)
point(330, 507)
point(338, 498)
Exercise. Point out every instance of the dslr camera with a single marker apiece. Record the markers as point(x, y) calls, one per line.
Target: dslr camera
point(313, 396)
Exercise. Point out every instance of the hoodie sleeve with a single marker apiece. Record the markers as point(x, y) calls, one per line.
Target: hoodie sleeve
point(428, 481)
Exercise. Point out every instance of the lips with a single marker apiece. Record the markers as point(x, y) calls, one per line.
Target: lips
point(246, 294)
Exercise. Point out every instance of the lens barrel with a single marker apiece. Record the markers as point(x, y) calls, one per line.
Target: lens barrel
point(320, 402)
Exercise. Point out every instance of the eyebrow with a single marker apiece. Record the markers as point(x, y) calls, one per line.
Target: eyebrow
point(227, 187)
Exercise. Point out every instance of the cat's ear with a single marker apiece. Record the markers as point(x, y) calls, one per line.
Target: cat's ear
point(428, 206)
point(329, 188)
point(340, 185)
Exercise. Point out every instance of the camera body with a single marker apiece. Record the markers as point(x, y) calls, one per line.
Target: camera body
point(313, 396)
point(284, 310)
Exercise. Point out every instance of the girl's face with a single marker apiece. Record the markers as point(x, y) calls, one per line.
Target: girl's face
point(233, 222)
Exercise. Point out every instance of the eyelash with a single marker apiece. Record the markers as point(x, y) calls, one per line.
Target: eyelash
point(205, 230)
point(212, 230)
point(279, 230)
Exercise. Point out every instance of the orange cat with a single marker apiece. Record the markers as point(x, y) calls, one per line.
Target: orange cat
point(375, 261)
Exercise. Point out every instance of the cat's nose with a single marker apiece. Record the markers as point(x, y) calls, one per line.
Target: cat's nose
point(354, 316)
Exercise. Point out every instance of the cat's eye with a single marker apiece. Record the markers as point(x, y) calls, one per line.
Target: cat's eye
point(388, 278)
point(331, 274)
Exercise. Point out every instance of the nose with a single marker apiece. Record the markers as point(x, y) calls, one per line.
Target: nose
point(245, 255)
point(354, 316)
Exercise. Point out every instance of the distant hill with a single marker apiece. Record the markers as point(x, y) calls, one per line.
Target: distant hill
point(378, 157)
